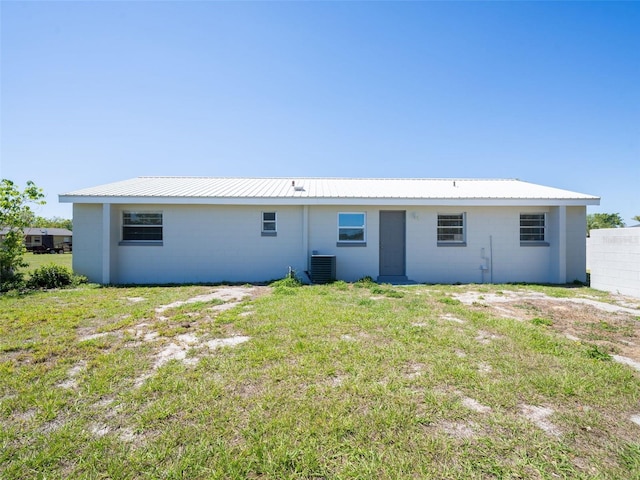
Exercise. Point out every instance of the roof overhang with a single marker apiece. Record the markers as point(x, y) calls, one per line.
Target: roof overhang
point(414, 202)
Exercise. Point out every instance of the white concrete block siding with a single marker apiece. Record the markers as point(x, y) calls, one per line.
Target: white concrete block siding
point(212, 243)
point(614, 260)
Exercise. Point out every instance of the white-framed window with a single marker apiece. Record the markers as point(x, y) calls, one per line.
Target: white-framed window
point(532, 227)
point(451, 229)
point(140, 226)
point(269, 224)
point(352, 227)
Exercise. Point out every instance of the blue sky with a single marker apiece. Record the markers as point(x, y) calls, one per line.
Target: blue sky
point(547, 92)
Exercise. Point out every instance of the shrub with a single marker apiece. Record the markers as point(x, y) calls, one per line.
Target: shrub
point(54, 276)
point(12, 281)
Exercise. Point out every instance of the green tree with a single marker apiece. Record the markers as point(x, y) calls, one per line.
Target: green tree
point(54, 222)
point(15, 215)
point(603, 220)
point(637, 218)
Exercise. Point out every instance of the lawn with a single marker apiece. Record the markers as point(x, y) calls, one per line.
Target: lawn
point(36, 261)
point(336, 381)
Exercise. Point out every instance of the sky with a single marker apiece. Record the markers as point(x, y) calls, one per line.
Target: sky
point(546, 92)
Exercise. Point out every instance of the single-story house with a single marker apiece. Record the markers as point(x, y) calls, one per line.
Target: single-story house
point(45, 239)
point(154, 230)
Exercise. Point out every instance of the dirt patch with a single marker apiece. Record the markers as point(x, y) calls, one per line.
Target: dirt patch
point(613, 326)
point(486, 337)
point(186, 347)
point(459, 430)
point(414, 370)
point(540, 417)
point(135, 299)
point(626, 361)
point(451, 318)
point(99, 430)
point(73, 372)
point(226, 342)
point(226, 294)
point(474, 405)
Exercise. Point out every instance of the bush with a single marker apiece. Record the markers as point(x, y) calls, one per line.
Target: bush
point(54, 276)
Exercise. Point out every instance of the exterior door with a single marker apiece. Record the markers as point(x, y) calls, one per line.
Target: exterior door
point(392, 243)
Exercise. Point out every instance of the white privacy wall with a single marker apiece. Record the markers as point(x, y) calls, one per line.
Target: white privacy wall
point(614, 260)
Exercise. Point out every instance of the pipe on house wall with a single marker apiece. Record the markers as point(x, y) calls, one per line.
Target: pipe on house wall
point(491, 258)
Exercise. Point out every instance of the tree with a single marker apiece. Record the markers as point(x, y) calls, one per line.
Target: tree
point(54, 222)
point(637, 218)
point(15, 215)
point(603, 220)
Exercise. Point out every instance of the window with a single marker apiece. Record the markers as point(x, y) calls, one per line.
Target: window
point(142, 226)
point(269, 224)
point(351, 228)
point(532, 227)
point(451, 230)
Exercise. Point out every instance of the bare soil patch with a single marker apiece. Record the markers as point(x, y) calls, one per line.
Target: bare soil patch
point(612, 326)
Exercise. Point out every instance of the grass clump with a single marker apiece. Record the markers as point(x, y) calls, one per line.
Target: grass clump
point(287, 285)
point(449, 301)
point(597, 353)
point(54, 276)
point(365, 282)
point(542, 321)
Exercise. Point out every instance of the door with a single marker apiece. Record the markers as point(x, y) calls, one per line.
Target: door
point(392, 243)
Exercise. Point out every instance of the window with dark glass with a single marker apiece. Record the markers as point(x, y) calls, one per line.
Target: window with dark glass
point(351, 227)
point(532, 226)
point(269, 226)
point(451, 228)
point(142, 226)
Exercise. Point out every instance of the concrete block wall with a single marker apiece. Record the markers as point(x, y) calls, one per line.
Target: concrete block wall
point(207, 243)
point(212, 243)
point(87, 244)
point(614, 260)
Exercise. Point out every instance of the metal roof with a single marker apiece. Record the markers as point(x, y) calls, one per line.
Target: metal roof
point(58, 232)
point(295, 190)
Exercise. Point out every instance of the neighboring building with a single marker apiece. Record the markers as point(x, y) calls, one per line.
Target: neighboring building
point(42, 239)
point(614, 260)
point(154, 230)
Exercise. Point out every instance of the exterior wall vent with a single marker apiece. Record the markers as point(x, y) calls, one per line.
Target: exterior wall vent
point(323, 268)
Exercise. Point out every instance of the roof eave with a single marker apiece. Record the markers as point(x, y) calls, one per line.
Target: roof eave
point(331, 201)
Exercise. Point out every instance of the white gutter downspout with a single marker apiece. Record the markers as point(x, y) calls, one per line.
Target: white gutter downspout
point(106, 243)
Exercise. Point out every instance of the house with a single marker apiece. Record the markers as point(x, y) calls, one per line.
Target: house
point(154, 230)
point(43, 239)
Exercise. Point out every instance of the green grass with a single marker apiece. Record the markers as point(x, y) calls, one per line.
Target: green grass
point(335, 381)
point(36, 261)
